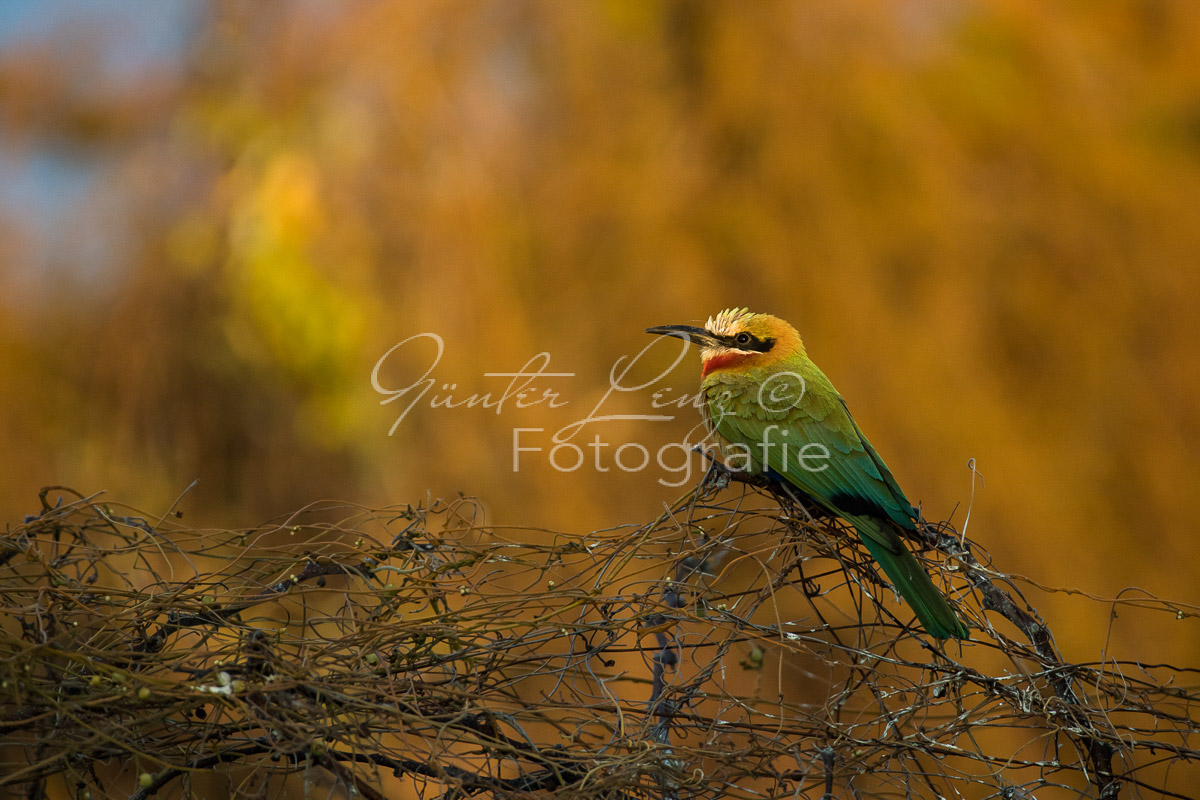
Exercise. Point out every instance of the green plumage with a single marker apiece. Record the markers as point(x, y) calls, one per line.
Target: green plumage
point(788, 414)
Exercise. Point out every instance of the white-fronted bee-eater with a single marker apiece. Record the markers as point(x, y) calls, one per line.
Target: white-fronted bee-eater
point(763, 393)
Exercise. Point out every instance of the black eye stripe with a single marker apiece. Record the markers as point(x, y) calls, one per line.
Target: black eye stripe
point(754, 343)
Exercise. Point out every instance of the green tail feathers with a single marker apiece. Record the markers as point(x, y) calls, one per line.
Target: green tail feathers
point(911, 581)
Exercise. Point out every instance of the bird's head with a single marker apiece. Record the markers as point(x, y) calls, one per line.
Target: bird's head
point(738, 340)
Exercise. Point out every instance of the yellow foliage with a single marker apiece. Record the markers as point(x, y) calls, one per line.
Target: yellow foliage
point(982, 217)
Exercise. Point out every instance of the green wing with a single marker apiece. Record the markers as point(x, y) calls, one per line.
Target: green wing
point(788, 433)
point(805, 433)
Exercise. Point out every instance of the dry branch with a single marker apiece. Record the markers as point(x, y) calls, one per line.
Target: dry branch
point(734, 647)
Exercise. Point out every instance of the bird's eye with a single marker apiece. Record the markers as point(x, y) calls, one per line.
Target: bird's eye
point(743, 338)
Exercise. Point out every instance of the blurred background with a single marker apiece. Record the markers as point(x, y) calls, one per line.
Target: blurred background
point(217, 217)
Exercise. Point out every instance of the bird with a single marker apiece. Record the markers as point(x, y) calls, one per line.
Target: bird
point(766, 398)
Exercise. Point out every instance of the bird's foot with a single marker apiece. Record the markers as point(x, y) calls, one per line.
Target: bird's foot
point(720, 475)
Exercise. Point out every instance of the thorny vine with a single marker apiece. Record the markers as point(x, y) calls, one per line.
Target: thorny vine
point(737, 646)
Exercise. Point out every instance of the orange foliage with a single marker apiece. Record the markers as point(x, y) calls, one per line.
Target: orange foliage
point(981, 216)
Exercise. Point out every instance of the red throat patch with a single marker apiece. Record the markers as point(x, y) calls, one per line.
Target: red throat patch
point(722, 361)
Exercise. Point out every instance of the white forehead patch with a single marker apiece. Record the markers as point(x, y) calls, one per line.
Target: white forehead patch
point(727, 321)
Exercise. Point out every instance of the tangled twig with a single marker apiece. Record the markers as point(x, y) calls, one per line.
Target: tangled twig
point(738, 646)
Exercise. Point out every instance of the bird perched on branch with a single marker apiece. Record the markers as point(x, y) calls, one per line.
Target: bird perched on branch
point(782, 416)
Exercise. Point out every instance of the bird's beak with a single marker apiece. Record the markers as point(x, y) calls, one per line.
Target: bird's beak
point(688, 333)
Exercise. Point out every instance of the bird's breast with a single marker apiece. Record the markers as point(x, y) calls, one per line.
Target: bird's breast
point(767, 397)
